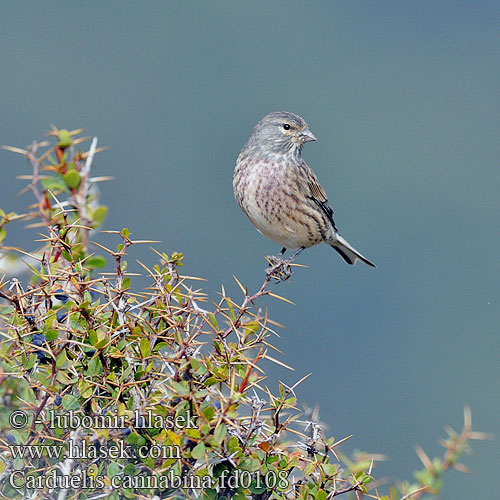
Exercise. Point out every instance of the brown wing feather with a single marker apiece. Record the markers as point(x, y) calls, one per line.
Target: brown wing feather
point(314, 186)
point(317, 193)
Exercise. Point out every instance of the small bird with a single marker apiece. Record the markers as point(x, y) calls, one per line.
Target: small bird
point(281, 194)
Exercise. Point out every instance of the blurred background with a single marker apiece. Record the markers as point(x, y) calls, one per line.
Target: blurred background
point(403, 97)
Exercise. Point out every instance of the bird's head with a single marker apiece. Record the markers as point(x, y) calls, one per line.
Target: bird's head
point(281, 132)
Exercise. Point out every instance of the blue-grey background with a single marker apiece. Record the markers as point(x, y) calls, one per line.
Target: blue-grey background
point(403, 97)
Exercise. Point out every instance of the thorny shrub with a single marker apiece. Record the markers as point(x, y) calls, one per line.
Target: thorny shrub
point(109, 393)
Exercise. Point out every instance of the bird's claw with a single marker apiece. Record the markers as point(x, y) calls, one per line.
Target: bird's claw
point(279, 269)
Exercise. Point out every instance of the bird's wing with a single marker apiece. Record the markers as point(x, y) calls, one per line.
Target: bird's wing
point(317, 194)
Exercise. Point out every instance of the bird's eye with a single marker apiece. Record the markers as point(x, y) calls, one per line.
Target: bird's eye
point(286, 126)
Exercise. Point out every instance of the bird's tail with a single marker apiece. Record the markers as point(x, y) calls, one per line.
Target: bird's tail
point(348, 252)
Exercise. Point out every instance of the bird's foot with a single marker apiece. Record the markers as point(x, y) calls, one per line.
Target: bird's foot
point(279, 269)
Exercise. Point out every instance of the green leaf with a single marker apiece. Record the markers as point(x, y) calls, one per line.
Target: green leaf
point(257, 490)
point(95, 366)
point(209, 494)
point(159, 345)
point(282, 391)
point(220, 433)
point(85, 389)
point(51, 334)
point(366, 479)
point(209, 412)
point(193, 433)
point(3, 234)
point(67, 256)
point(93, 337)
point(250, 464)
point(125, 283)
point(233, 444)
point(198, 451)
point(132, 438)
point(63, 378)
point(61, 359)
point(70, 402)
point(231, 309)
point(145, 348)
point(180, 389)
point(18, 463)
point(330, 469)
point(97, 339)
point(72, 179)
point(321, 495)
point(64, 139)
point(95, 262)
point(212, 319)
point(54, 184)
point(309, 468)
point(129, 469)
point(31, 362)
point(113, 469)
point(252, 327)
point(125, 232)
point(99, 214)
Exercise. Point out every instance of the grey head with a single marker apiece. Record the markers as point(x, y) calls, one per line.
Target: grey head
point(280, 132)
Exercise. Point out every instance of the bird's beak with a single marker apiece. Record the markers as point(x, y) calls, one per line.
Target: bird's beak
point(307, 136)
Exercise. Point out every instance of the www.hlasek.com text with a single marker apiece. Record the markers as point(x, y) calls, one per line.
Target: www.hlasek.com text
point(94, 451)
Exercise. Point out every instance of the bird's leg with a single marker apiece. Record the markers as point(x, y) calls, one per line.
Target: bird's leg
point(295, 255)
point(276, 259)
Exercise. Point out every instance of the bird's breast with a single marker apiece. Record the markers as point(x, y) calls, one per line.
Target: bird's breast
point(269, 193)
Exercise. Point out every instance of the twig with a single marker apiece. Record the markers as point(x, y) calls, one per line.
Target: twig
point(243, 309)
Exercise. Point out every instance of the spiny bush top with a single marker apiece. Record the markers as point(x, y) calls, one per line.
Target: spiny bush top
point(110, 392)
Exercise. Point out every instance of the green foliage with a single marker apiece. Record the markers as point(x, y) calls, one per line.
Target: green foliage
point(147, 394)
point(6, 219)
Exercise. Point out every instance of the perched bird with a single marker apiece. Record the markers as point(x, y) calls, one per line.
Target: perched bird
point(281, 194)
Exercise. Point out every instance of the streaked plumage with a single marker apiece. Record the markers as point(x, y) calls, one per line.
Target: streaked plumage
point(280, 193)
